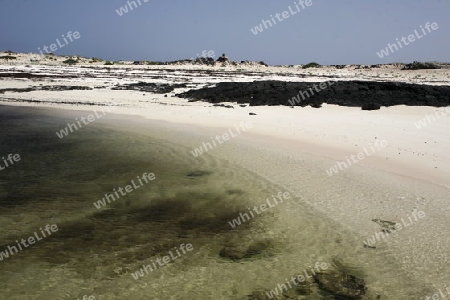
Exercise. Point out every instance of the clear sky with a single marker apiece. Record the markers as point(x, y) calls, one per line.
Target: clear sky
point(327, 32)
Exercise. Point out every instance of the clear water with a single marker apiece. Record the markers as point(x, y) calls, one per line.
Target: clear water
point(95, 251)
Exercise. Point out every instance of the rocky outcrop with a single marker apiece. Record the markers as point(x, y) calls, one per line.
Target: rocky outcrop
point(368, 95)
point(157, 88)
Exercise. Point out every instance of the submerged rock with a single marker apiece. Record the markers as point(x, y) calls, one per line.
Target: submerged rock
point(387, 226)
point(340, 284)
point(369, 246)
point(238, 252)
point(288, 292)
point(262, 295)
point(234, 252)
point(235, 192)
point(302, 289)
point(197, 173)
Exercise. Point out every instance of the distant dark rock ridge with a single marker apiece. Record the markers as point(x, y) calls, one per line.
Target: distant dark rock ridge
point(150, 87)
point(57, 88)
point(368, 95)
point(34, 76)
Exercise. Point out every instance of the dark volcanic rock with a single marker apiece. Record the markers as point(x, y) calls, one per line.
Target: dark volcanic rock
point(64, 88)
point(205, 61)
point(223, 105)
point(162, 88)
point(57, 88)
point(223, 59)
point(33, 76)
point(370, 106)
point(369, 95)
point(419, 66)
point(16, 90)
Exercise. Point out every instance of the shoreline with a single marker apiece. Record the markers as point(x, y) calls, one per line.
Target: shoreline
point(397, 158)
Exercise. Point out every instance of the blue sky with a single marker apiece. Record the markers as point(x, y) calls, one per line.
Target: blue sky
point(328, 31)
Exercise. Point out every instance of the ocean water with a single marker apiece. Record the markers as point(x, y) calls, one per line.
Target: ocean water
point(191, 201)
